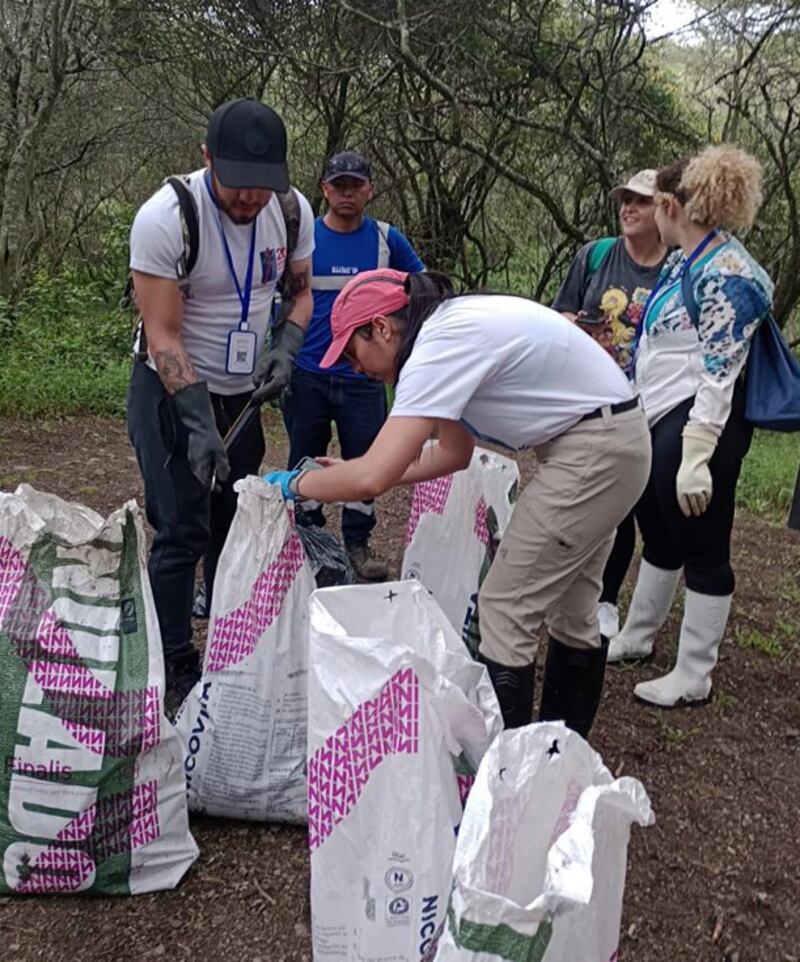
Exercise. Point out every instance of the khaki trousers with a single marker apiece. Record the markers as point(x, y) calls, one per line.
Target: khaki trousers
point(549, 566)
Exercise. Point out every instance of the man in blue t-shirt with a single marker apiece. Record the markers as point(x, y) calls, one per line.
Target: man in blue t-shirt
point(346, 243)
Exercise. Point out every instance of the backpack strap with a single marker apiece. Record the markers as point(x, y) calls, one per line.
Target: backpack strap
point(598, 253)
point(190, 230)
point(190, 225)
point(383, 243)
point(689, 301)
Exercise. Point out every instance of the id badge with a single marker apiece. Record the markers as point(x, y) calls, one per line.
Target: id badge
point(241, 352)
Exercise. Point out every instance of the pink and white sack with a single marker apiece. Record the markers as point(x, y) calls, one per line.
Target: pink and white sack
point(244, 724)
point(92, 794)
point(394, 697)
point(541, 854)
point(454, 528)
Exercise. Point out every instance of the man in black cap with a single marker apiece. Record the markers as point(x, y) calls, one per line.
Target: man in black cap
point(346, 242)
point(206, 255)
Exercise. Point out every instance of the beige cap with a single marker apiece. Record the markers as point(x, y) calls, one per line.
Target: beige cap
point(643, 182)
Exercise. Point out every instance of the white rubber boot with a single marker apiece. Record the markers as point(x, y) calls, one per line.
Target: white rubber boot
point(704, 620)
point(652, 599)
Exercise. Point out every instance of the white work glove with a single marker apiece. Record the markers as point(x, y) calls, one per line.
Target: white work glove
point(693, 483)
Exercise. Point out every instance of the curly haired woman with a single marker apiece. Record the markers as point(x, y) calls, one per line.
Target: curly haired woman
point(690, 380)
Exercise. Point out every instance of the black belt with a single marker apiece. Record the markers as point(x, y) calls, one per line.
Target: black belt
point(612, 409)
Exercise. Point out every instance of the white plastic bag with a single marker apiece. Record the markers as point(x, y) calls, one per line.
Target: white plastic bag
point(541, 854)
point(91, 786)
point(244, 724)
point(393, 698)
point(454, 527)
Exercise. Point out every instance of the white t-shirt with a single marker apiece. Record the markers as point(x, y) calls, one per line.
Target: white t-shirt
point(211, 305)
point(512, 371)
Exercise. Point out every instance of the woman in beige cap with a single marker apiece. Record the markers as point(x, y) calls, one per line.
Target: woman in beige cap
point(604, 292)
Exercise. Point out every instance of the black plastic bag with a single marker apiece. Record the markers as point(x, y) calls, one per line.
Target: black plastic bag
point(327, 557)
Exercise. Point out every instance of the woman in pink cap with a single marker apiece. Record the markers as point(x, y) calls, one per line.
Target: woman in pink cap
point(512, 372)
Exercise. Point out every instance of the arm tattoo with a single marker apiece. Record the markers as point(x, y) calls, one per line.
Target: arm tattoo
point(298, 282)
point(175, 370)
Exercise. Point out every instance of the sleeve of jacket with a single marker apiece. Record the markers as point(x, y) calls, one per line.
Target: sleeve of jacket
point(731, 308)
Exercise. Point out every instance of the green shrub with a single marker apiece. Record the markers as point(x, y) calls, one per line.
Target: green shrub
point(769, 473)
point(65, 348)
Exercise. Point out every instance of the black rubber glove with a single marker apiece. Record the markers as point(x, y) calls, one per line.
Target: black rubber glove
point(274, 368)
point(206, 452)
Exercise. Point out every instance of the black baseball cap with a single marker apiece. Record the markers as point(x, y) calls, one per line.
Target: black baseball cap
point(347, 164)
point(247, 143)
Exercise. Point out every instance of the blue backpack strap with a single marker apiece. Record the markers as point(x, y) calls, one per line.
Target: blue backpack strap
point(689, 301)
point(597, 255)
point(772, 375)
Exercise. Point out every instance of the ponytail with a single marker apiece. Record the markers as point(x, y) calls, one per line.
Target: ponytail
point(426, 291)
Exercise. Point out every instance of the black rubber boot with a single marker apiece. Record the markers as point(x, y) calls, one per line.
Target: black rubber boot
point(514, 690)
point(572, 684)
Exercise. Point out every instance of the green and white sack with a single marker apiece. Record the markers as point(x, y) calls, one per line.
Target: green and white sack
point(539, 868)
point(92, 794)
point(394, 698)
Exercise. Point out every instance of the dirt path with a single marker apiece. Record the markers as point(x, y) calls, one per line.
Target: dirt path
point(717, 877)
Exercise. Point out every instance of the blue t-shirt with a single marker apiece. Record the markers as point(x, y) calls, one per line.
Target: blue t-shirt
point(343, 255)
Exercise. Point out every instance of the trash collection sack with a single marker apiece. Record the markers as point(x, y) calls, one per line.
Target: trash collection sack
point(92, 795)
point(327, 556)
point(244, 724)
point(394, 699)
point(454, 527)
point(539, 868)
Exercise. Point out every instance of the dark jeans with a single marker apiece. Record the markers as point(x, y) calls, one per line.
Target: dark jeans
point(619, 560)
point(701, 545)
point(188, 521)
point(358, 408)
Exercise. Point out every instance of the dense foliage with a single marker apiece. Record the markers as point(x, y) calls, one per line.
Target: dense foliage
point(495, 129)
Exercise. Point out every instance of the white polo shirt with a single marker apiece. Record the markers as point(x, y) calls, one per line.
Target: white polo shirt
point(512, 371)
point(211, 305)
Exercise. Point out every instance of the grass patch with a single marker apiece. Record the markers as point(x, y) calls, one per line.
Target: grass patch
point(66, 349)
point(769, 473)
point(789, 590)
point(767, 644)
point(673, 736)
point(42, 388)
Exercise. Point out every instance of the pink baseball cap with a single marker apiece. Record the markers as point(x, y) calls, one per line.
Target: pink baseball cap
point(367, 295)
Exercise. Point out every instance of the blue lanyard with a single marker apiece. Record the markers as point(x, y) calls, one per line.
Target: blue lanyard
point(244, 294)
point(684, 267)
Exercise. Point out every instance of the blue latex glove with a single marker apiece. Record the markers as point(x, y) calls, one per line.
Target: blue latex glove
point(283, 480)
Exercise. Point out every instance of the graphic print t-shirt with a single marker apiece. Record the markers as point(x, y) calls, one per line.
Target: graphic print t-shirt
point(616, 294)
